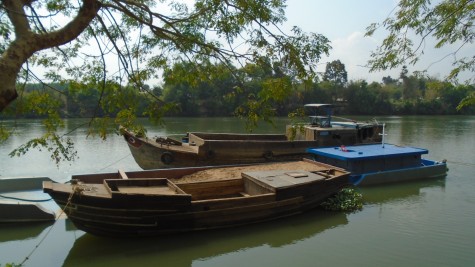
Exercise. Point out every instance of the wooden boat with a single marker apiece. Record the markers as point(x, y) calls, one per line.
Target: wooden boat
point(207, 149)
point(186, 199)
point(21, 200)
point(381, 163)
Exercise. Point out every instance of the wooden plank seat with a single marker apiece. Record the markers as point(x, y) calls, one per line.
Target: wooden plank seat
point(152, 190)
point(144, 186)
point(123, 175)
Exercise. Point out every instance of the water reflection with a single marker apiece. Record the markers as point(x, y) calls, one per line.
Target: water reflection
point(184, 249)
point(43, 244)
point(21, 231)
point(399, 191)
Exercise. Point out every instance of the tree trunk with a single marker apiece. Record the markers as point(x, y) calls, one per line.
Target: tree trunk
point(7, 90)
point(26, 42)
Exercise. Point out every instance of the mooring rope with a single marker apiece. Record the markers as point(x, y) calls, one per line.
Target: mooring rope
point(115, 162)
point(77, 189)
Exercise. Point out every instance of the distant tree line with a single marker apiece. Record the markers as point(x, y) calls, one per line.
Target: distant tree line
point(226, 92)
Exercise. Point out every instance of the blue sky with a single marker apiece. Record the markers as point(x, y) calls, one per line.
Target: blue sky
point(344, 22)
point(337, 18)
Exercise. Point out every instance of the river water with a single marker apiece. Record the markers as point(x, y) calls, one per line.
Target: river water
point(422, 223)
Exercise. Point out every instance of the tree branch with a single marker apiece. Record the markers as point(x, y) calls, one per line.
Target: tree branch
point(73, 29)
point(27, 43)
point(17, 16)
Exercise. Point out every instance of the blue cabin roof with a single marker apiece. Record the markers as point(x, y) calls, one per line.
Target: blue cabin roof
point(372, 151)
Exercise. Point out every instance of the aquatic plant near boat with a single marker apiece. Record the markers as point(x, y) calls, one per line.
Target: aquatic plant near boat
point(348, 199)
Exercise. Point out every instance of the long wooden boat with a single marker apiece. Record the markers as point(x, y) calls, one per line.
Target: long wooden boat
point(186, 199)
point(381, 163)
point(206, 149)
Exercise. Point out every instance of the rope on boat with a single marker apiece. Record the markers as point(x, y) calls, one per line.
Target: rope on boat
point(77, 189)
point(24, 199)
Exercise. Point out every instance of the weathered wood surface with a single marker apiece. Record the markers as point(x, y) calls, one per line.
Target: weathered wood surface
point(235, 172)
point(203, 199)
point(204, 149)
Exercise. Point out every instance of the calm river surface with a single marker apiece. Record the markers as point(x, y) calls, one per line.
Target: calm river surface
point(425, 223)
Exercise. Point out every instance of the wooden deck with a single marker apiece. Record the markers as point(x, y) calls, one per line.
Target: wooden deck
point(152, 190)
point(282, 179)
point(235, 172)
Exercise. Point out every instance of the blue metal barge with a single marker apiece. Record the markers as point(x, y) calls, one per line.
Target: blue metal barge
point(381, 163)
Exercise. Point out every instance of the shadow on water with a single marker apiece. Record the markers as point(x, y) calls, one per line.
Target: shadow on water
point(21, 231)
point(184, 249)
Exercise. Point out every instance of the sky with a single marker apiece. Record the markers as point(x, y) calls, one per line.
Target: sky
point(344, 22)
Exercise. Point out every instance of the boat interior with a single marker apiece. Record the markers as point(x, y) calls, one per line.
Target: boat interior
point(220, 189)
point(200, 138)
point(251, 184)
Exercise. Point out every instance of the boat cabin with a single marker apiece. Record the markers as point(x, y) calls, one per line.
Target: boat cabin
point(327, 132)
point(319, 120)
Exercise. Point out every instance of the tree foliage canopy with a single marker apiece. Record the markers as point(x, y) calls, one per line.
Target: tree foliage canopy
point(108, 50)
point(110, 45)
point(131, 41)
point(449, 22)
point(335, 72)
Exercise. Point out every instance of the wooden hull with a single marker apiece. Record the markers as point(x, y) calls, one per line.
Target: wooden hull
point(151, 155)
point(122, 211)
point(209, 149)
